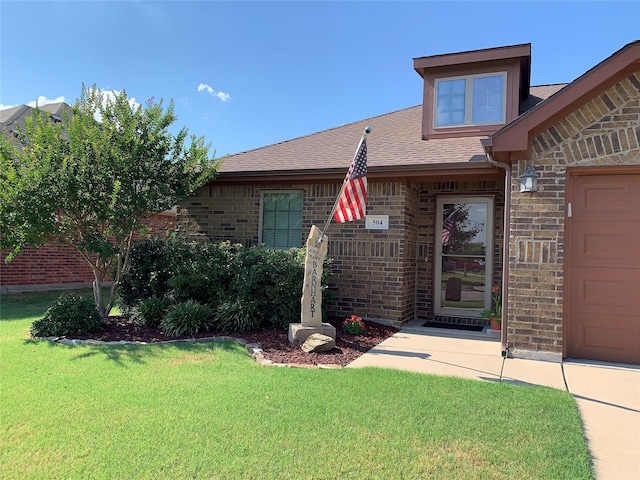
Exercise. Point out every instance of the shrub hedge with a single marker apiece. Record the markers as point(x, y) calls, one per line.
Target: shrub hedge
point(244, 286)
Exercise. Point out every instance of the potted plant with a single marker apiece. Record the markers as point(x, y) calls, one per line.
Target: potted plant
point(494, 314)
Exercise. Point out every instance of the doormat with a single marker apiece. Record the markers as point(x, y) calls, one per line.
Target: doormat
point(454, 326)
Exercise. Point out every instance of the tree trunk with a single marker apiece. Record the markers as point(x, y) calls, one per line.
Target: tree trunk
point(97, 293)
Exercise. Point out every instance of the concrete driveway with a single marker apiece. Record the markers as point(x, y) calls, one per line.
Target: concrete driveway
point(608, 395)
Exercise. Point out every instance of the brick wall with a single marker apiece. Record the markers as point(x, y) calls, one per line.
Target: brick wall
point(426, 221)
point(372, 276)
point(58, 266)
point(605, 131)
point(378, 274)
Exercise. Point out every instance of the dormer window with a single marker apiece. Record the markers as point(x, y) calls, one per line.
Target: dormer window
point(473, 94)
point(470, 100)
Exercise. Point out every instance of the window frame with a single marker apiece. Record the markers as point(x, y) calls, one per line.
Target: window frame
point(261, 239)
point(468, 107)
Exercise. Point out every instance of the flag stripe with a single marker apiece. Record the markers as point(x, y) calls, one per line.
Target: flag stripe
point(351, 204)
point(448, 226)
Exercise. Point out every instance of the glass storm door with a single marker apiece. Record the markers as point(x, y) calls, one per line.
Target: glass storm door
point(464, 248)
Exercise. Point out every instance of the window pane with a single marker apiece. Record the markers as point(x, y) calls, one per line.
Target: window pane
point(282, 220)
point(450, 102)
point(464, 248)
point(268, 236)
point(268, 219)
point(269, 203)
point(488, 99)
point(281, 239)
point(295, 219)
point(282, 202)
point(295, 200)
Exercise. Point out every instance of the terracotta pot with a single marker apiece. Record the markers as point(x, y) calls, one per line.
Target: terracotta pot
point(495, 324)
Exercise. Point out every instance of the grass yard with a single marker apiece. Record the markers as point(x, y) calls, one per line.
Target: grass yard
point(178, 411)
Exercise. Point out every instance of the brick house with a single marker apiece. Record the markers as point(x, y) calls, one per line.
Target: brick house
point(443, 226)
point(53, 266)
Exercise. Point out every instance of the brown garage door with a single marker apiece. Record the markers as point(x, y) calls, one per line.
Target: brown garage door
point(603, 303)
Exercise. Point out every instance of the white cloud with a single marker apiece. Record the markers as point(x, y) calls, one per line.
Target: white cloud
point(42, 100)
point(204, 86)
point(222, 96)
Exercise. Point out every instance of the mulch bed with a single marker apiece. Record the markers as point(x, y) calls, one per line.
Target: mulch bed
point(274, 342)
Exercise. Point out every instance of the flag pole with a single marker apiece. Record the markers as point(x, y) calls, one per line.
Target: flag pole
point(366, 132)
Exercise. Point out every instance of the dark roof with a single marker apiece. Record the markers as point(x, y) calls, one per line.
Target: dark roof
point(395, 143)
point(13, 118)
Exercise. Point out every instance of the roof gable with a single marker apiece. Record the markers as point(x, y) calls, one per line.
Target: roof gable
point(515, 136)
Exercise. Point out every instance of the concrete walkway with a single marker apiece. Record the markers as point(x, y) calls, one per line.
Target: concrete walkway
point(608, 395)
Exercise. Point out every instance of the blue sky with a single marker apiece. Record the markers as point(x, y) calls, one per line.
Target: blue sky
point(249, 74)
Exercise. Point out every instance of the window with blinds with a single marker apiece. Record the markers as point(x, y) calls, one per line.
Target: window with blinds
point(281, 215)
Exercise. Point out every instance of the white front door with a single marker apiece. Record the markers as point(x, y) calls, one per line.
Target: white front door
point(464, 249)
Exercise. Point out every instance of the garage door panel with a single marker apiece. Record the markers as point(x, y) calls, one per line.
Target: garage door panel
point(612, 338)
point(605, 290)
point(607, 198)
point(602, 292)
point(606, 244)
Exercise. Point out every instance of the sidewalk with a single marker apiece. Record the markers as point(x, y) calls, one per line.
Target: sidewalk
point(608, 395)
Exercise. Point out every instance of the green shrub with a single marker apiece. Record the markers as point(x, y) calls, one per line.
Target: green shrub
point(201, 271)
point(187, 318)
point(70, 314)
point(272, 279)
point(237, 316)
point(147, 274)
point(149, 312)
point(216, 273)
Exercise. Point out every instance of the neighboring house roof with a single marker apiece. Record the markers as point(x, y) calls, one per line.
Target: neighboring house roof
point(515, 136)
point(395, 146)
point(13, 119)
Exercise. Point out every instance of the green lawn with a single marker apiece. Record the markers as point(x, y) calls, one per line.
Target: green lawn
point(182, 411)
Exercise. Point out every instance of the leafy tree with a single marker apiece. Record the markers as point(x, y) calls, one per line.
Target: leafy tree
point(91, 180)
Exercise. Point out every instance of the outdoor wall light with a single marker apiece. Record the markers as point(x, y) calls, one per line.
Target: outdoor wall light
point(529, 180)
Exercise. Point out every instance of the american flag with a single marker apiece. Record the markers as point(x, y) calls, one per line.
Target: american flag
point(448, 226)
point(351, 204)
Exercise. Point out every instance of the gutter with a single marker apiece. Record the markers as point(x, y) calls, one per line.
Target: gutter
point(488, 150)
point(401, 170)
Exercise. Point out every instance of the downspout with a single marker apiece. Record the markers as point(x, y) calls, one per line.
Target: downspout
point(487, 145)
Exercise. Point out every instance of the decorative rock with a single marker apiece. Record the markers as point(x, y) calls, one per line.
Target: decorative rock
point(318, 343)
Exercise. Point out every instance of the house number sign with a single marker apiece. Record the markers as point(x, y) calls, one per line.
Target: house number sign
point(377, 222)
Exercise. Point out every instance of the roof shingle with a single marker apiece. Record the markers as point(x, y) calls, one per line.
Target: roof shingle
point(395, 142)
